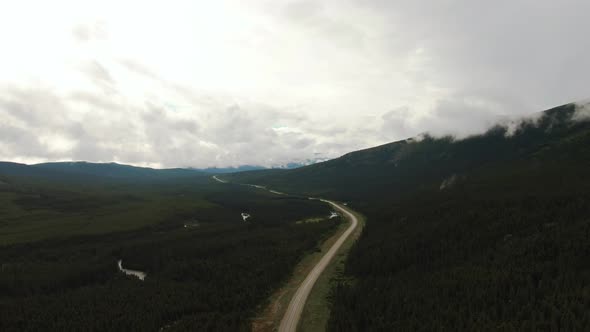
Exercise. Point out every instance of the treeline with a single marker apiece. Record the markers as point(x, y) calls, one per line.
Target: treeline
point(31, 210)
point(209, 276)
point(485, 233)
point(209, 279)
point(503, 249)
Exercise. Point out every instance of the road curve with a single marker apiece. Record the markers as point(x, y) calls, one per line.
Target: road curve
point(293, 313)
point(218, 179)
point(295, 308)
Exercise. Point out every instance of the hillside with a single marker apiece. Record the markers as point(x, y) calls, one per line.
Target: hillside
point(487, 233)
point(114, 170)
point(425, 162)
point(92, 173)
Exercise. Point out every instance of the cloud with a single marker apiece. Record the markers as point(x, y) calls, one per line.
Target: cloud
point(461, 117)
point(88, 32)
point(139, 68)
point(97, 72)
point(39, 125)
point(582, 112)
point(226, 83)
point(396, 124)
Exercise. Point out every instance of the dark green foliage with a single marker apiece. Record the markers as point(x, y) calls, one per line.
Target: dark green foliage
point(34, 208)
point(209, 276)
point(401, 167)
point(117, 171)
point(487, 233)
point(502, 252)
point(483, 234)
point(204, 279)
point(84, 173)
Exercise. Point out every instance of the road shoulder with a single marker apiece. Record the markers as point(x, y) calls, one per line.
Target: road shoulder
point(269, 316)
point(316, 311)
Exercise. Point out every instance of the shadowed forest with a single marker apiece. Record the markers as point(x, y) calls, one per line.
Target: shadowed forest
point(483, 234)
point(207, 269)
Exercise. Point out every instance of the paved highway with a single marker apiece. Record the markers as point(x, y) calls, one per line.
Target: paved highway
point(293, 313)
point(218, 179)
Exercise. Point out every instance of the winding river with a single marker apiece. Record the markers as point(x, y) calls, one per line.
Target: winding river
point(139, 274)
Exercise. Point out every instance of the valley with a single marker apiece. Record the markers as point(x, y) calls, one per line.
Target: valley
point(295, 166)
point(133, 253)
point(484, 233)
point(479, 233)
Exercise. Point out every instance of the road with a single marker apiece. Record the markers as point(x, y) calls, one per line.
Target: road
point(295, 308)
point(218, 179)
point(293, 313)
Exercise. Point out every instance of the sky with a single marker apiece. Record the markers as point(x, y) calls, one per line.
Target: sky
point(226, 83)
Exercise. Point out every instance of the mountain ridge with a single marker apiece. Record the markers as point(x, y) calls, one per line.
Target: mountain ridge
point(120, 171)
point(412, 163)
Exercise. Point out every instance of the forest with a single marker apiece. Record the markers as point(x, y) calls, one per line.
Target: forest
point(497, 251)
point(207, 269)
point(486, 233)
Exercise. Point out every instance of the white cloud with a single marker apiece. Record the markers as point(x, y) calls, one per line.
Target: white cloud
point(218, 83)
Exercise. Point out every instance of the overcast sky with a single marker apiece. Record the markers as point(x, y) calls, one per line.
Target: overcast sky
point(226, 83)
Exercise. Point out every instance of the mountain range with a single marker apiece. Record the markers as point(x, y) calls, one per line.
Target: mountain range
point(488, 232)
point(72, 170)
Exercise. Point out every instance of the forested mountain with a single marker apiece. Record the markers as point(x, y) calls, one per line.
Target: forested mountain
point(425, 162)
point(221, 170)
point(17, 169)
point(491, 232)
point(114, 170)
point(244, 168)
point(86, 172)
